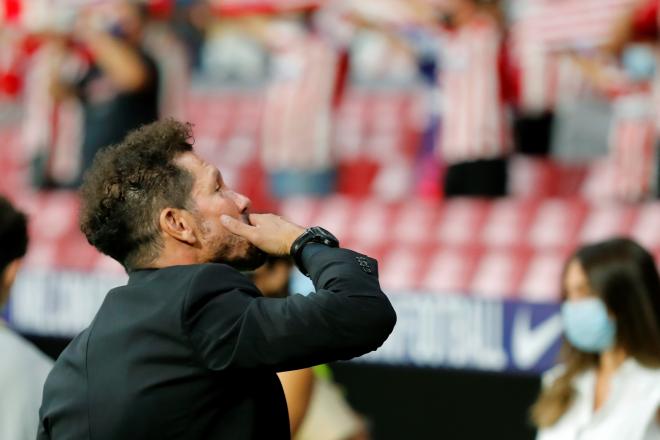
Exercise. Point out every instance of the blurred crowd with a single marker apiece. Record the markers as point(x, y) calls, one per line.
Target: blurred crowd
point(492, 80)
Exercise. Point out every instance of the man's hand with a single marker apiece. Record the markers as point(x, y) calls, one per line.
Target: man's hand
point(270, 233)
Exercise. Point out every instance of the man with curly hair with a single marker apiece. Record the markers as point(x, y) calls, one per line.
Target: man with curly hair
point(189, 349)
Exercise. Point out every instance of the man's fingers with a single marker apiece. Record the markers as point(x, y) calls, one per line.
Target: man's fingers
point(236, 227)
point(258, 219)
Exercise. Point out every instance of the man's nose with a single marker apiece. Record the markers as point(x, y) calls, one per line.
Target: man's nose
point(242, 202)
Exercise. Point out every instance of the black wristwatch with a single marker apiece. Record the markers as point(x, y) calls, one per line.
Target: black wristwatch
point(315, 234)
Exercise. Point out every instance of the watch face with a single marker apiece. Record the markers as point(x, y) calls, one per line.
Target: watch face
point(325, 236)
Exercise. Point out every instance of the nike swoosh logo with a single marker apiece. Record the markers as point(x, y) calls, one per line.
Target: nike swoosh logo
point(529, 345)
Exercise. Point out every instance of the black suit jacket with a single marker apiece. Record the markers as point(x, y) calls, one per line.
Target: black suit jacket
point(191, 352)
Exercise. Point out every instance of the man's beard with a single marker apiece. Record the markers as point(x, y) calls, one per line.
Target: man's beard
point(250, 259)
point(235, 251)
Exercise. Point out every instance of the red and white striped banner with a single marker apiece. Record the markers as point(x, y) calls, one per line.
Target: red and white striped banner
point(474, 122)
point(239, 7)
point(35, 15)
point(545, 28)
point(633, 147)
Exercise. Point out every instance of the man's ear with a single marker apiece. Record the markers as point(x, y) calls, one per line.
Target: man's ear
point(178, 224)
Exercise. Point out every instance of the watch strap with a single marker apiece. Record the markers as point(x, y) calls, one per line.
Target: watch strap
point(311, 235)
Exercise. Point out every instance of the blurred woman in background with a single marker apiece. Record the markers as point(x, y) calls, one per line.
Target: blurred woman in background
point(608, 386)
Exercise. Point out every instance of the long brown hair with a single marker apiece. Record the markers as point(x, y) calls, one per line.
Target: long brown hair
point(623, 274)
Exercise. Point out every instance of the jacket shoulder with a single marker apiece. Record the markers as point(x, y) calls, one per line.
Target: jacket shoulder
point(216, 276)
point(211, 280)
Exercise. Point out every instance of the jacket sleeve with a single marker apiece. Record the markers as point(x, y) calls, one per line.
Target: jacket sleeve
point(233, 326)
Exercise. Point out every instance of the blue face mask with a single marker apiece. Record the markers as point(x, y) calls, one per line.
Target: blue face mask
point(639, 62)
point(587, 325)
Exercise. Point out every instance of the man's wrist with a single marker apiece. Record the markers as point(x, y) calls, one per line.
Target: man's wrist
point(295, 236)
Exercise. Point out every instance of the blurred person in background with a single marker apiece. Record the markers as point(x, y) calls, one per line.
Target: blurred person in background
point(23, 368)
point(51, 131)
point(626, 72)
point(474, 140)
point(189, 348)
point(608, 385)
point(317, 409)
point(190, 19)
point(115, 80)
point(640, 23)
point(303, 91)
point(172, 56)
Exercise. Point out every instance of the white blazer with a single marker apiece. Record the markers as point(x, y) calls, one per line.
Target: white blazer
point(23, 371)
point(630, 411)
